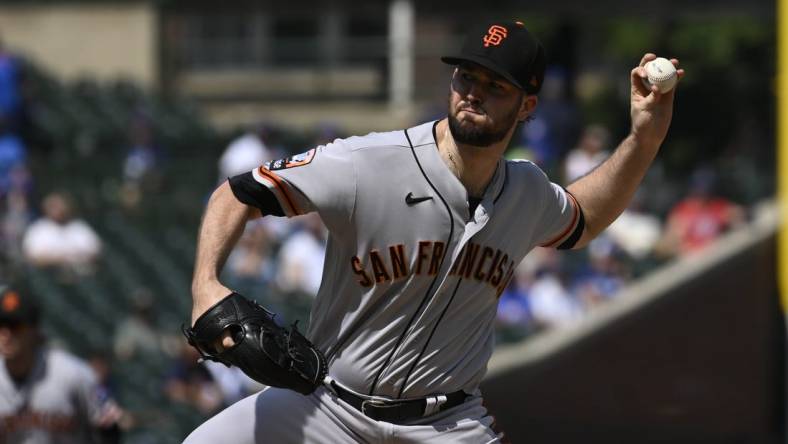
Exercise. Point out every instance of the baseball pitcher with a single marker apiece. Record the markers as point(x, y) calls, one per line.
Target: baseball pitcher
point(427, 225)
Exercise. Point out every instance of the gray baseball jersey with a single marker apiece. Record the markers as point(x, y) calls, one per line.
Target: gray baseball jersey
point(412, 279)
point(55, 405)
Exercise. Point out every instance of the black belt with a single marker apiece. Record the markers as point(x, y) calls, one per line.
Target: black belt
point(395, 411)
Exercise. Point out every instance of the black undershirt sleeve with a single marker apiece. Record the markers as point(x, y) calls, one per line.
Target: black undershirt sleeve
point(250, 192)
point(572, 240)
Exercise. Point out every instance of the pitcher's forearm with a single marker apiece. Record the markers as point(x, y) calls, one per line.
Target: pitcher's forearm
point(222, 225)
point(605, 192)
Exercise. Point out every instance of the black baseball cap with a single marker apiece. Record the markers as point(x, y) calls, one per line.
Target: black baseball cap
point(17, 306)
point(506, 48)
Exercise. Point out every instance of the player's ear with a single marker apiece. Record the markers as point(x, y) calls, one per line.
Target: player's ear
point(527, 106)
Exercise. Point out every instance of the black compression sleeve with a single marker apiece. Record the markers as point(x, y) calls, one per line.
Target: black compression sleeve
point(250, 192)
point(572, 240)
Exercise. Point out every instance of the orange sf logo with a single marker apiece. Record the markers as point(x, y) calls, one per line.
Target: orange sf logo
point(495, 35)
point(10, 302)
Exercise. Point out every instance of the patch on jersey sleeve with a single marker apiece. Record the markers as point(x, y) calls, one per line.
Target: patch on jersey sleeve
point(292, 161)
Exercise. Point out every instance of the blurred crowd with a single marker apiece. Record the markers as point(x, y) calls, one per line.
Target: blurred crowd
point(15, 178)
point(279, 261)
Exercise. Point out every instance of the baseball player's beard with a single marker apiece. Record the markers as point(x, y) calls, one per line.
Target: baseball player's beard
point(481, 136)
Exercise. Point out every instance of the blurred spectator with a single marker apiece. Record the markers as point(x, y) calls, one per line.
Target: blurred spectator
point(15, 216)
point(13, 157)
point(46, 395)
point(60, 240)
point(514, 319)
point(603, 276)
point(700, 218)
point(99, 362)
point(250, 265)
point(189, 382)
point(142, 165)
point(137, 335)
point(244, 154)
point(15, 188)
point(547, 136)
point(301, 257)
point(143, 156)
point(232, 382)
point(636, 231)
point(100, 365)
point(10, 91)
point(326, 133)
point(591, 150)
point(550, 301)
point(513, 308)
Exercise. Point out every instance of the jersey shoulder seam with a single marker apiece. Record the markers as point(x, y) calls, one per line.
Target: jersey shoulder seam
point(525, 168)
point(373, 140)
point(387, 145)
point(394, 139)
point(381, 146)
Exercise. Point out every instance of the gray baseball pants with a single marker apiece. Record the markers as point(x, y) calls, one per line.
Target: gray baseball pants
point(284, 416)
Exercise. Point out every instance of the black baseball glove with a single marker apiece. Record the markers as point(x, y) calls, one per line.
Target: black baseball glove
point(265, 351)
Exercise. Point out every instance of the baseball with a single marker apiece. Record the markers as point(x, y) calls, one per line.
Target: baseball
point(662, 73)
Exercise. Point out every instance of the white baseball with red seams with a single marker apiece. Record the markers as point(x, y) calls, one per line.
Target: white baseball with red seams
point(662, 73)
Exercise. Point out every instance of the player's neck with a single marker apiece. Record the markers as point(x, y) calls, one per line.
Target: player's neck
point(473, 166)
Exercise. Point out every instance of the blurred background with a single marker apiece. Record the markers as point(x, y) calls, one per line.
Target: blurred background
point(119, 118)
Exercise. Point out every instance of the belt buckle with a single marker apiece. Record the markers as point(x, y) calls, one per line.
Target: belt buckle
point(433, 404)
